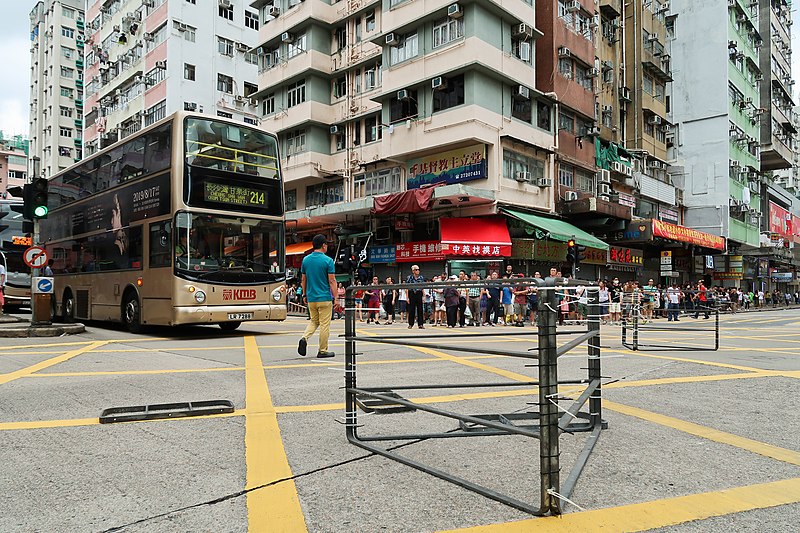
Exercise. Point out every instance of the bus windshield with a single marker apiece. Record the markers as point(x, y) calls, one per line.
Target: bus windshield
point(228, 250)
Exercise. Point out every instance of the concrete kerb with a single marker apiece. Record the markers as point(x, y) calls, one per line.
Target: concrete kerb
point(19, 328)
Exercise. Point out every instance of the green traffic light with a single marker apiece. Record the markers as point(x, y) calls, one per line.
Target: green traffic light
point(40, 211)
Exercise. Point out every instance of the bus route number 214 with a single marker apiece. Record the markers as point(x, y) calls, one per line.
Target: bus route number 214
point(233, 194)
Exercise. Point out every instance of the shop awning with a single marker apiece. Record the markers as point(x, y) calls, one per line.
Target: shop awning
point(487, 236)
point(558, 230)
point(299, 248)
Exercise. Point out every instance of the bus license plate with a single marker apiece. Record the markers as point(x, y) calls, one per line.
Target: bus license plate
point(240, 316)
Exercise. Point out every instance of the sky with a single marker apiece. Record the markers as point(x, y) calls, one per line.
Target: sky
point(15, 44)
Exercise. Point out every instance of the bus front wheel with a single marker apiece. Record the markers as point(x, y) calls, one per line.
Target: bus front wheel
point(229, 326)
point(131, 313)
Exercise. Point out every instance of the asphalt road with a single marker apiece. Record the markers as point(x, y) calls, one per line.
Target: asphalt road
point(697, 440)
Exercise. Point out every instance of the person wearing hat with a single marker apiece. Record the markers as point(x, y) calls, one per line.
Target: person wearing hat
point(319, 287)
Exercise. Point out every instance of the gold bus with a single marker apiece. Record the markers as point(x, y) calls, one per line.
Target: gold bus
point(179, 223)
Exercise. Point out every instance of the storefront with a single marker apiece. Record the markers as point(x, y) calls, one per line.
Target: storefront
point(624, 262)
point(475, 244)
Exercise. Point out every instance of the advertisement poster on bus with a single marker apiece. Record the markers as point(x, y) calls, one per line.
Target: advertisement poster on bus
point(453, 166)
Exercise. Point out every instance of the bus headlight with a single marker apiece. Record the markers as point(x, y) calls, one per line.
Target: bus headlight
point(199, 296)
point(277, 295)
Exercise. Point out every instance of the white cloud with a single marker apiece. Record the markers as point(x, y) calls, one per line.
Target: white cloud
point(13, 117)
point(15, 93)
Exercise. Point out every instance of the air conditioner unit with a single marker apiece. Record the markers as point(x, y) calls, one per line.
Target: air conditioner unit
point(592, 72)
point(616, 166)
point(604, 176)
point(525, 51)
point(570, 196)
point(438, 83)
point(594, 130)
point(734, 163)
point(252, 101)
point(607, 109)
point(604, 189)
point(225, 3)
point(607, 65)
point(116, 27)
point(391, 39)
point(625, 94)
point(627, 170)
point(522, 176)
point(563, 51)
point(573, 5)
point(544, 182)
point(147, 36)
point(287, 37)
point(666, 128)
point(241, 47)
point(147, 3)
point(334, 129)
point(190, 106)
point(741, 18)
point(161, 64)
point(402, 94)
point(454, 11)
point(522, 92)
point(274, 11)
point(655, 120)
point(239, 98)
point(523, 30)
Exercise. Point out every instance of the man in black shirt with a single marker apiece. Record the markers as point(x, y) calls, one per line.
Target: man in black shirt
point(494, 304)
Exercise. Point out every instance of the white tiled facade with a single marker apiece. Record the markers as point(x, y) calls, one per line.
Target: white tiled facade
point(56, 84)
point(146, 59)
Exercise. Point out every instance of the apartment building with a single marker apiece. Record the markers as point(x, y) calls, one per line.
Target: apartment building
point(56, 97)
point(775, 61)
point(375, 101)
point(13, 164)
point(145, 59)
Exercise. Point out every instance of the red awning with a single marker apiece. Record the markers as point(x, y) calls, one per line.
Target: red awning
point(475, 237)
point(413, 201)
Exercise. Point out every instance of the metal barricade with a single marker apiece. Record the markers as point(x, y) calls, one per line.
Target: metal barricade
point(546, 423)
point(638, 327)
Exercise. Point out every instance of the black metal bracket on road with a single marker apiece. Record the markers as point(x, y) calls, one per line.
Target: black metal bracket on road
point(158, 411)
point(637, 329)
point(545, 424)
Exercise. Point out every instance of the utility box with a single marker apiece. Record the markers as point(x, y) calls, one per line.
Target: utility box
point(42, 304)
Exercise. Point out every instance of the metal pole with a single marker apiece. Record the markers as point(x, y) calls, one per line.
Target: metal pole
point(593, 325)
point(716, 331)
point(350, 364)
point(548, 391)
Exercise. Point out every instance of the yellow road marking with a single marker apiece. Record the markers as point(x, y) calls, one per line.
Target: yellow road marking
point(659, 513)
point(78, 422)
point(277, 507)
point(11, 376)
point(767, 450)
point(685, 360)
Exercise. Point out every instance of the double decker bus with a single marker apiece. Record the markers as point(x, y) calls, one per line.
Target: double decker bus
point(13, 241)
point(180, 223)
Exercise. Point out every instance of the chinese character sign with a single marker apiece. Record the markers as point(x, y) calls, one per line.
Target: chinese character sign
point(620, 255)
point(381, 254)
point(477, 250)
point(410, 252)
point(454, 166)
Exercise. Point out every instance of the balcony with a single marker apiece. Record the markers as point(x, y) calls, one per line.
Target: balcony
point(320, 12)
point(292, 68)
point(79, 63)
point(79, 84)
point(78, 141)
point(597, 206)
point(611, 8)
point(79, 43)
point(78, 123)
point(776, 155)
point(80, 24)
point(79, 104)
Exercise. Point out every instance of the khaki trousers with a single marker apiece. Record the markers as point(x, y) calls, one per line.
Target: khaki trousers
point(320, 313)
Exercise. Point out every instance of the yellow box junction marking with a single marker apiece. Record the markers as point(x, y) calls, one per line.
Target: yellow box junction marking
point(658, 513)
point(28, 370)
point(277, 507)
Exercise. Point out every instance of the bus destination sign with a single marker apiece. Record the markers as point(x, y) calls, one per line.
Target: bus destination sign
point(234, 195)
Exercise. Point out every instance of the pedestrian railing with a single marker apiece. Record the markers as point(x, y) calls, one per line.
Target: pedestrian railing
point(546, 422)
point(635, 326)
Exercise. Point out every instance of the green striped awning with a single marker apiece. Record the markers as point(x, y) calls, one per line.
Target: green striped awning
point(559, 230)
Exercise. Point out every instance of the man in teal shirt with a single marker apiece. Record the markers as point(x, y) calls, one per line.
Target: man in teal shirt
point(319, 287)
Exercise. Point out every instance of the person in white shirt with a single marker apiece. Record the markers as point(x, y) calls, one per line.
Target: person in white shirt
point(674, 295)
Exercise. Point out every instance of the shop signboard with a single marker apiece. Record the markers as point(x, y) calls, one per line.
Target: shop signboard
point(627, 200)
point(403, 223)
point(729, 267)
point(411, 252)
point(763, 268)
point(781, 277)
point(683, 234)
point(622, 255)
point(454, 166)
point(382, 254)
point(780, 221)
point(668, 215)
point(476, 250)
point(795, 228)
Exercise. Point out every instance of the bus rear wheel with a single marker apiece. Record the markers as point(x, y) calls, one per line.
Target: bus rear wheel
point(68, 308)
point(229, 326)
point(131, 313)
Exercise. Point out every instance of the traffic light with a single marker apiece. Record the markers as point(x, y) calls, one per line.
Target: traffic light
point(581, 253)
point(39, 197)
point(23, 192)
point(571, 257)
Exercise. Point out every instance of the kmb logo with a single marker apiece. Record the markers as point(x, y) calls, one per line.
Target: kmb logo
point(238, 294)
